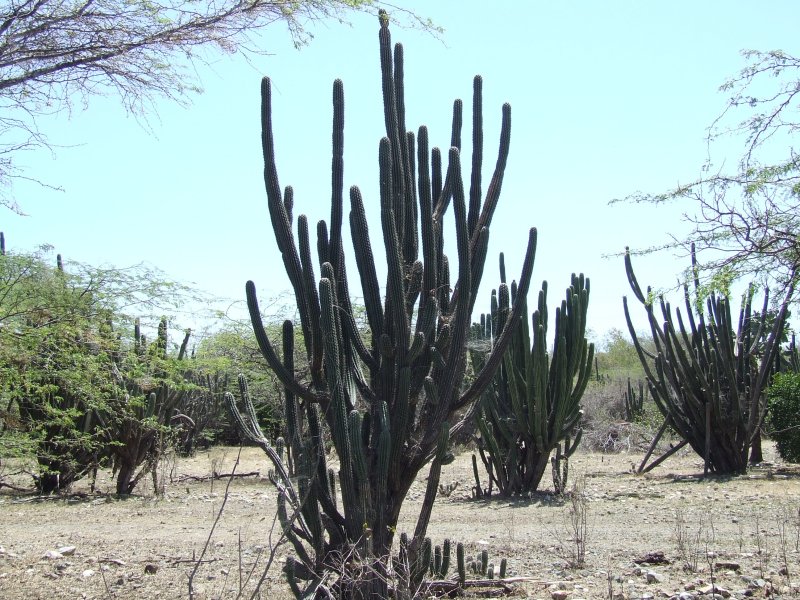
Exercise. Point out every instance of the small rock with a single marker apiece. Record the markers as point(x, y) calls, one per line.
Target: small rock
point(653, 577)
point(53, 555)
point(87, 573)
point(714, 590)
point(729, 566)
point(559, 595)
point(151, 569)
point(67, 550)
point(685, 596)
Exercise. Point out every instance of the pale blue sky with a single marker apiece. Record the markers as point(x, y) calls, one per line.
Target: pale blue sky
point(608, 98)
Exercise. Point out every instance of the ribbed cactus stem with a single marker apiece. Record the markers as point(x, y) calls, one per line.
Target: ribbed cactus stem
point(460, 563)
point(445, 566)
point(477, 491)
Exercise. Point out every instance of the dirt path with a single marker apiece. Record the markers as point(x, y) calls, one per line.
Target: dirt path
point(743, 532)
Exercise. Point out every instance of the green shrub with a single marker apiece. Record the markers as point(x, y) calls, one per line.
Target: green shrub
point(784, 414)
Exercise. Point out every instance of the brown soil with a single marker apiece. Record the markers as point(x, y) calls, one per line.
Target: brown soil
point(742, 533)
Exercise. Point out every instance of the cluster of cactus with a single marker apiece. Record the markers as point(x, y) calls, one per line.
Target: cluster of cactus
point(201, 411)
point(707, 378)
point(634, 402)
point(434, 562)
point(138, 425)
point(388, 403)
point(533, 406)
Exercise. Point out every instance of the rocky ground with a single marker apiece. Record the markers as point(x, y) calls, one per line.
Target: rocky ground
point(667, 534)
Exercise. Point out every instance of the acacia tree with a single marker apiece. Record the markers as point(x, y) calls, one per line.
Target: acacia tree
point(61, 357)
point(745, 221)
point(56, 55)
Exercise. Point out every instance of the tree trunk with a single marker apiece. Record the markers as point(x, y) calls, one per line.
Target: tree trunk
point(756, 453)
point(124, 477)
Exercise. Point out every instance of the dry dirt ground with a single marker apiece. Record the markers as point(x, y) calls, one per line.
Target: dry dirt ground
point(741, 533)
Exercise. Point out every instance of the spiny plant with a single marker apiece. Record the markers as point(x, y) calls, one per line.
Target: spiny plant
point(389, 404)
point(532, 407)
point(138, 422)
point(708, 374)
point(634, 402)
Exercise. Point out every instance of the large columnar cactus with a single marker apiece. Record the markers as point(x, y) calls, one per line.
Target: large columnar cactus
point(708, 378)
point(388, 404)
point(533, 405)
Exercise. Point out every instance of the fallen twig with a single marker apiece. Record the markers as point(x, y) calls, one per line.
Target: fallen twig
point(178, 561)
point(216, 476)
point(16, 488)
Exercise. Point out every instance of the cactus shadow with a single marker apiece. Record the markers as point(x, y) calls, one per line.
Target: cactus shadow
point(537, 498)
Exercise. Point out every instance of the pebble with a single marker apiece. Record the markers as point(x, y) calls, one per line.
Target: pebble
point(558, 595)
point(653, 577)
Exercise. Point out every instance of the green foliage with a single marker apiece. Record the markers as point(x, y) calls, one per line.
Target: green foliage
point(63, 365)
point(618, 359)
point(233, 350)
point(784, 414)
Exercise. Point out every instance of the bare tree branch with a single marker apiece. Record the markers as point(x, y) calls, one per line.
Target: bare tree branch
point(57, 54)
point(745, 224)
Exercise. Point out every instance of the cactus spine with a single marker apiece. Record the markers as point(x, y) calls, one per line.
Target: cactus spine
point(387, 403)
point(533, 407)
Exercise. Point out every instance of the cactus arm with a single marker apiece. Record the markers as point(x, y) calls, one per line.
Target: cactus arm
point(365, 262)
point(496, 183)
point(446, 193)
point(313, 343)
point(400, 418)
point(280, 219)
point(271, 357)
point(338, 405)
point(477, 153)
point(337, 179)
point(432, 487)
point(485, 376)
point(429, 254)
point(396, 317)
point(460, 325)
point(384, 451)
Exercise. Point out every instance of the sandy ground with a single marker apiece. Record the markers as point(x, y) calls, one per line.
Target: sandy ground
point(742, 534)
